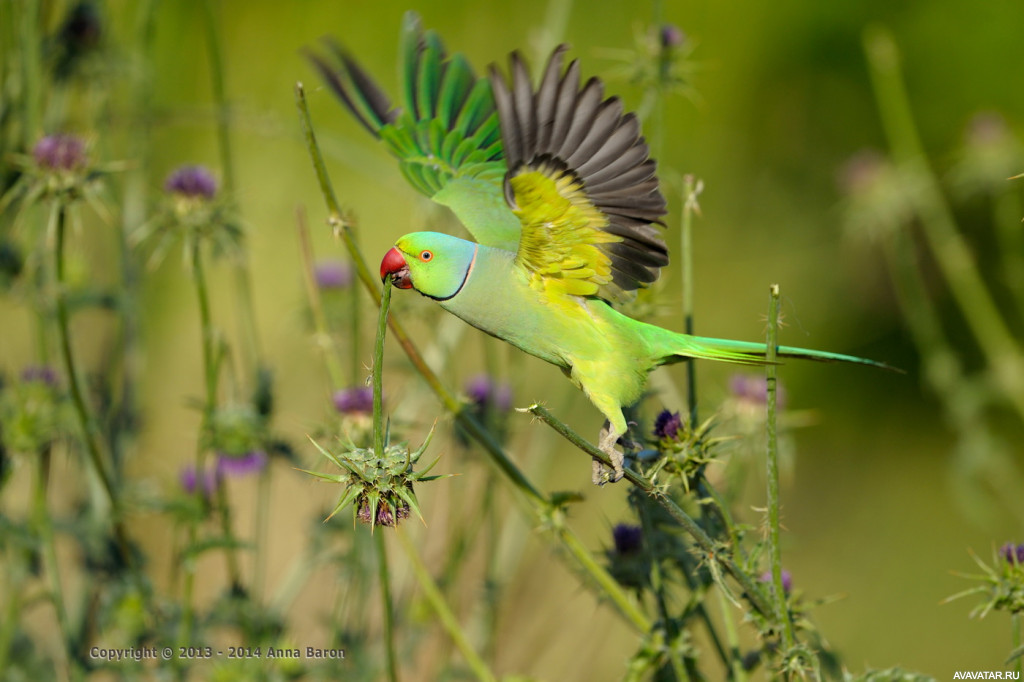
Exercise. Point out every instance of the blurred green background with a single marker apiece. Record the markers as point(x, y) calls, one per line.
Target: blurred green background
point(873, 510)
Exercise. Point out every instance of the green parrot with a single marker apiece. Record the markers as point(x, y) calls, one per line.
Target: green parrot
point(557, 186)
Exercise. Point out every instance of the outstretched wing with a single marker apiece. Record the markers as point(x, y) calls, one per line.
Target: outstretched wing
point(582, 183)
point(446, 135)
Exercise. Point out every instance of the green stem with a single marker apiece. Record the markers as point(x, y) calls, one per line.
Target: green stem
point(1015, 630)
point(378, 370)
point(185, 633)
point(444, 613)
point(262, 526)
point(736, 671)
point(14, 595)
point(774, 524)
point(213, 44)
point(231, 551)
point(32, 80)
point(658, 588)
point(713, 550)
point(626, 605)
point(691, 189)
point(211, 366)
point(86, 423)
point(386, 605)
point(44, 527)
point(324, 339)
point(243, 278)
point(952, 254)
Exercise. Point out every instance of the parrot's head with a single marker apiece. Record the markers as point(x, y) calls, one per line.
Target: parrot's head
point(434, 264)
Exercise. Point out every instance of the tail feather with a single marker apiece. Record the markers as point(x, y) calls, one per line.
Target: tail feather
point(752, 353)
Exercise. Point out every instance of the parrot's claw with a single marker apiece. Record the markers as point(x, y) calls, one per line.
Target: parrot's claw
point(606, 443)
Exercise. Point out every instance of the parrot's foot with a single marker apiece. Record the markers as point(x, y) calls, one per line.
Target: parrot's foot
point(606, 444)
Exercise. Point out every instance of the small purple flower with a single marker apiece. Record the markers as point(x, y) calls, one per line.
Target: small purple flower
point(753, 389)
point(60, 152)
point(386, 515)
point(667, 425)
point(241, 465)
point(987, 129)
point(332, 274)
point(1013, 553)
point(354, 400)
point(40, 373)
point(787, 580)
point(671, 36)
point(193, 182)
point(861, 171)
point(208, 482)
point(628, 538)
point(485, 393)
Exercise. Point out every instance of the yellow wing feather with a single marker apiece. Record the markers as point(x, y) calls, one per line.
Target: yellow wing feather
point(561, 229)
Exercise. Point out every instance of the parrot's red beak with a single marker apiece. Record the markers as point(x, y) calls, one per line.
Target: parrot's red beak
point(394, 264)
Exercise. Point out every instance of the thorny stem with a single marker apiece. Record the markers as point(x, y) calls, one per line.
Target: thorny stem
point(691, 190)
point(388, 607)
point(771, 380)
point(88, 426)
point(378, 370)
point(440, 606)
point(713, 551)
point(378, 445)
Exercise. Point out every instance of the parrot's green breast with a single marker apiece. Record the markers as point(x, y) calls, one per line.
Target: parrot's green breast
point(575, 333)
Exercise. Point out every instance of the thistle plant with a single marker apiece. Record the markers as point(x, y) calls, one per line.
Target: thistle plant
point(692, 563)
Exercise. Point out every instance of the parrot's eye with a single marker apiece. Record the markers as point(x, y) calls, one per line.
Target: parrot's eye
point(426, 256)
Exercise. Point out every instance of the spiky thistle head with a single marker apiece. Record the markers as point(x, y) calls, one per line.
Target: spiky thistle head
point(379, 486)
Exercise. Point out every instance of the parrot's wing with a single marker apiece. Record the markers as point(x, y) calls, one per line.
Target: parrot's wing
point(582, 183)
point(446, 135)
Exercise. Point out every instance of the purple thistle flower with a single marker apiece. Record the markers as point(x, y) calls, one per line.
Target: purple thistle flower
point(357, 399)
point(241, 465)
point(787, 580)
point(332, 274)
point(753, 389)
point(671, 36)
point(194, 182)
point(667, 425)
point(484, 393)
point(628, 538)
point(208, 481)
point(40, 373)
point(1012, 553)
point(60, 152)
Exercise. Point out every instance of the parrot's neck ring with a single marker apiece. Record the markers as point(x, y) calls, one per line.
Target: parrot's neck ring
point(465, 278)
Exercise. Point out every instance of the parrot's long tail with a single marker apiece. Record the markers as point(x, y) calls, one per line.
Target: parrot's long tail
point(750, 353)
